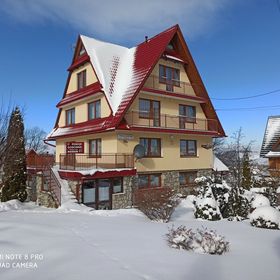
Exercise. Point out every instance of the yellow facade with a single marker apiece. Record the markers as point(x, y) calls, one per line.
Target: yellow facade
point(185, 86)
point(170, 152)
point(81, 109)
point(170, 142)
point(90, 77)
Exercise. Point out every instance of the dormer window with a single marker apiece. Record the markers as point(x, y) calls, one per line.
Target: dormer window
point(82, 51)
point(82, 79)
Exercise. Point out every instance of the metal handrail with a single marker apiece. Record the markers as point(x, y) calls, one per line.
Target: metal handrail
point(169, 121)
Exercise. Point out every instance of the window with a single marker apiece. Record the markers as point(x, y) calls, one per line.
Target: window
point(144, 108)
point(95, 147)
point(70, 116)
point(170, 46)
point(187, 178)
point(150, 109)
point(152, 146)
point(169, 76)
point(82, 79)
point(117, 185)
point(188, 148)
point(94, 110)
point(187, 114)
point(82, 50)
point(149, 181)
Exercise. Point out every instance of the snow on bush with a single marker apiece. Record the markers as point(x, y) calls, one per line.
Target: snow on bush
point(156, 204)
point(265, 217)
point(201, 241)
point(13, 204)
point(207, 209)
point(260, 200)
point(206, 206)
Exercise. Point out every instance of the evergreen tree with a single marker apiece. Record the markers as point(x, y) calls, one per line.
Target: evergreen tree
point(246, 171)
point(14, 167)
point(238, 206)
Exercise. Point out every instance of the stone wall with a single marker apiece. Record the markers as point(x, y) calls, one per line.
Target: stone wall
point(44, 198)
point(125, 199)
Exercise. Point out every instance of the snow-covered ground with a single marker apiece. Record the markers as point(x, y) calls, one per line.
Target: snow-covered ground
point(124, 244)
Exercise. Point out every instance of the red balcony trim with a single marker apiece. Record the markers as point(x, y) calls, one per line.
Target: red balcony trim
point(76, 175)
point(81, 93)
point(179, 95)
point(80, 61)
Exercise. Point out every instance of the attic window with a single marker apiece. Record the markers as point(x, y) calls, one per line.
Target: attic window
point(82, 50)
point(170, 47)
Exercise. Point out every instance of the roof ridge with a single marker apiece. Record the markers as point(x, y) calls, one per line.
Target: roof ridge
point(155, 36)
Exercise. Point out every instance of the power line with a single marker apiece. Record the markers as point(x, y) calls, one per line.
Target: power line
point(250, 108)
point(248, 97)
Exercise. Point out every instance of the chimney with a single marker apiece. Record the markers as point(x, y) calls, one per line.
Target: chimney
point(146, 39)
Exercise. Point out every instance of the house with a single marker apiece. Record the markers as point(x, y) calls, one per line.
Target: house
point(116, 98)
point(271, 143)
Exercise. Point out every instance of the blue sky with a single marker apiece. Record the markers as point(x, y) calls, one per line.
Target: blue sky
point(235, 46)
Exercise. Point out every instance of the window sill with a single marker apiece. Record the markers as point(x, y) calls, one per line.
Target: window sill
point(152, 157)
point(196, 156)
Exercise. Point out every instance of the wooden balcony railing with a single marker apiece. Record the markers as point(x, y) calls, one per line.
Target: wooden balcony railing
point(88, 161)
point(176, 86)
point(136, 119)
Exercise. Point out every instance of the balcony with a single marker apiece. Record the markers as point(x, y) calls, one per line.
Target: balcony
point(165, 121)
point(80, 162)
point(172, 86)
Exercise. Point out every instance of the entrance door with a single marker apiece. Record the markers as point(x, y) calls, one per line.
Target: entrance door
point(104, 194)
point(98, 194)
point(89, 194)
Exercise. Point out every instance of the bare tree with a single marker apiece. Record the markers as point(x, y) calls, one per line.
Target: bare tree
point(34, 139)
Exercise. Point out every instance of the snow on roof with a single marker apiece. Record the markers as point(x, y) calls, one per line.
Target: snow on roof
point(271, 135)
point(114, 66)
point(218, 165)
point(272, 154)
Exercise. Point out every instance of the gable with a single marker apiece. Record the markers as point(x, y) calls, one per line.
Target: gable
point(122, 72)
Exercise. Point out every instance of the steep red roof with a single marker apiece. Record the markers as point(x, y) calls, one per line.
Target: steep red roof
point(146, 56)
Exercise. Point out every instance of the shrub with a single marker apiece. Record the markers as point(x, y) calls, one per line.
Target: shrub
point(259, 200)
point(201, 241)
point(156, 204)
point(237, 207)
point(265, 217)
point(206, 207)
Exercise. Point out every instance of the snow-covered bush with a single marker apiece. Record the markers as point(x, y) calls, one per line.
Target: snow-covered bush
point(259, 200)
point(206, 206)
point(238, 206)
point(201, 241)
point(156, 204)
point(221, 194)
point(265, 217)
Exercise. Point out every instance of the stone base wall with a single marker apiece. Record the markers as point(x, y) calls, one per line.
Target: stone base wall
point(46, 199)
point(125, 199)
